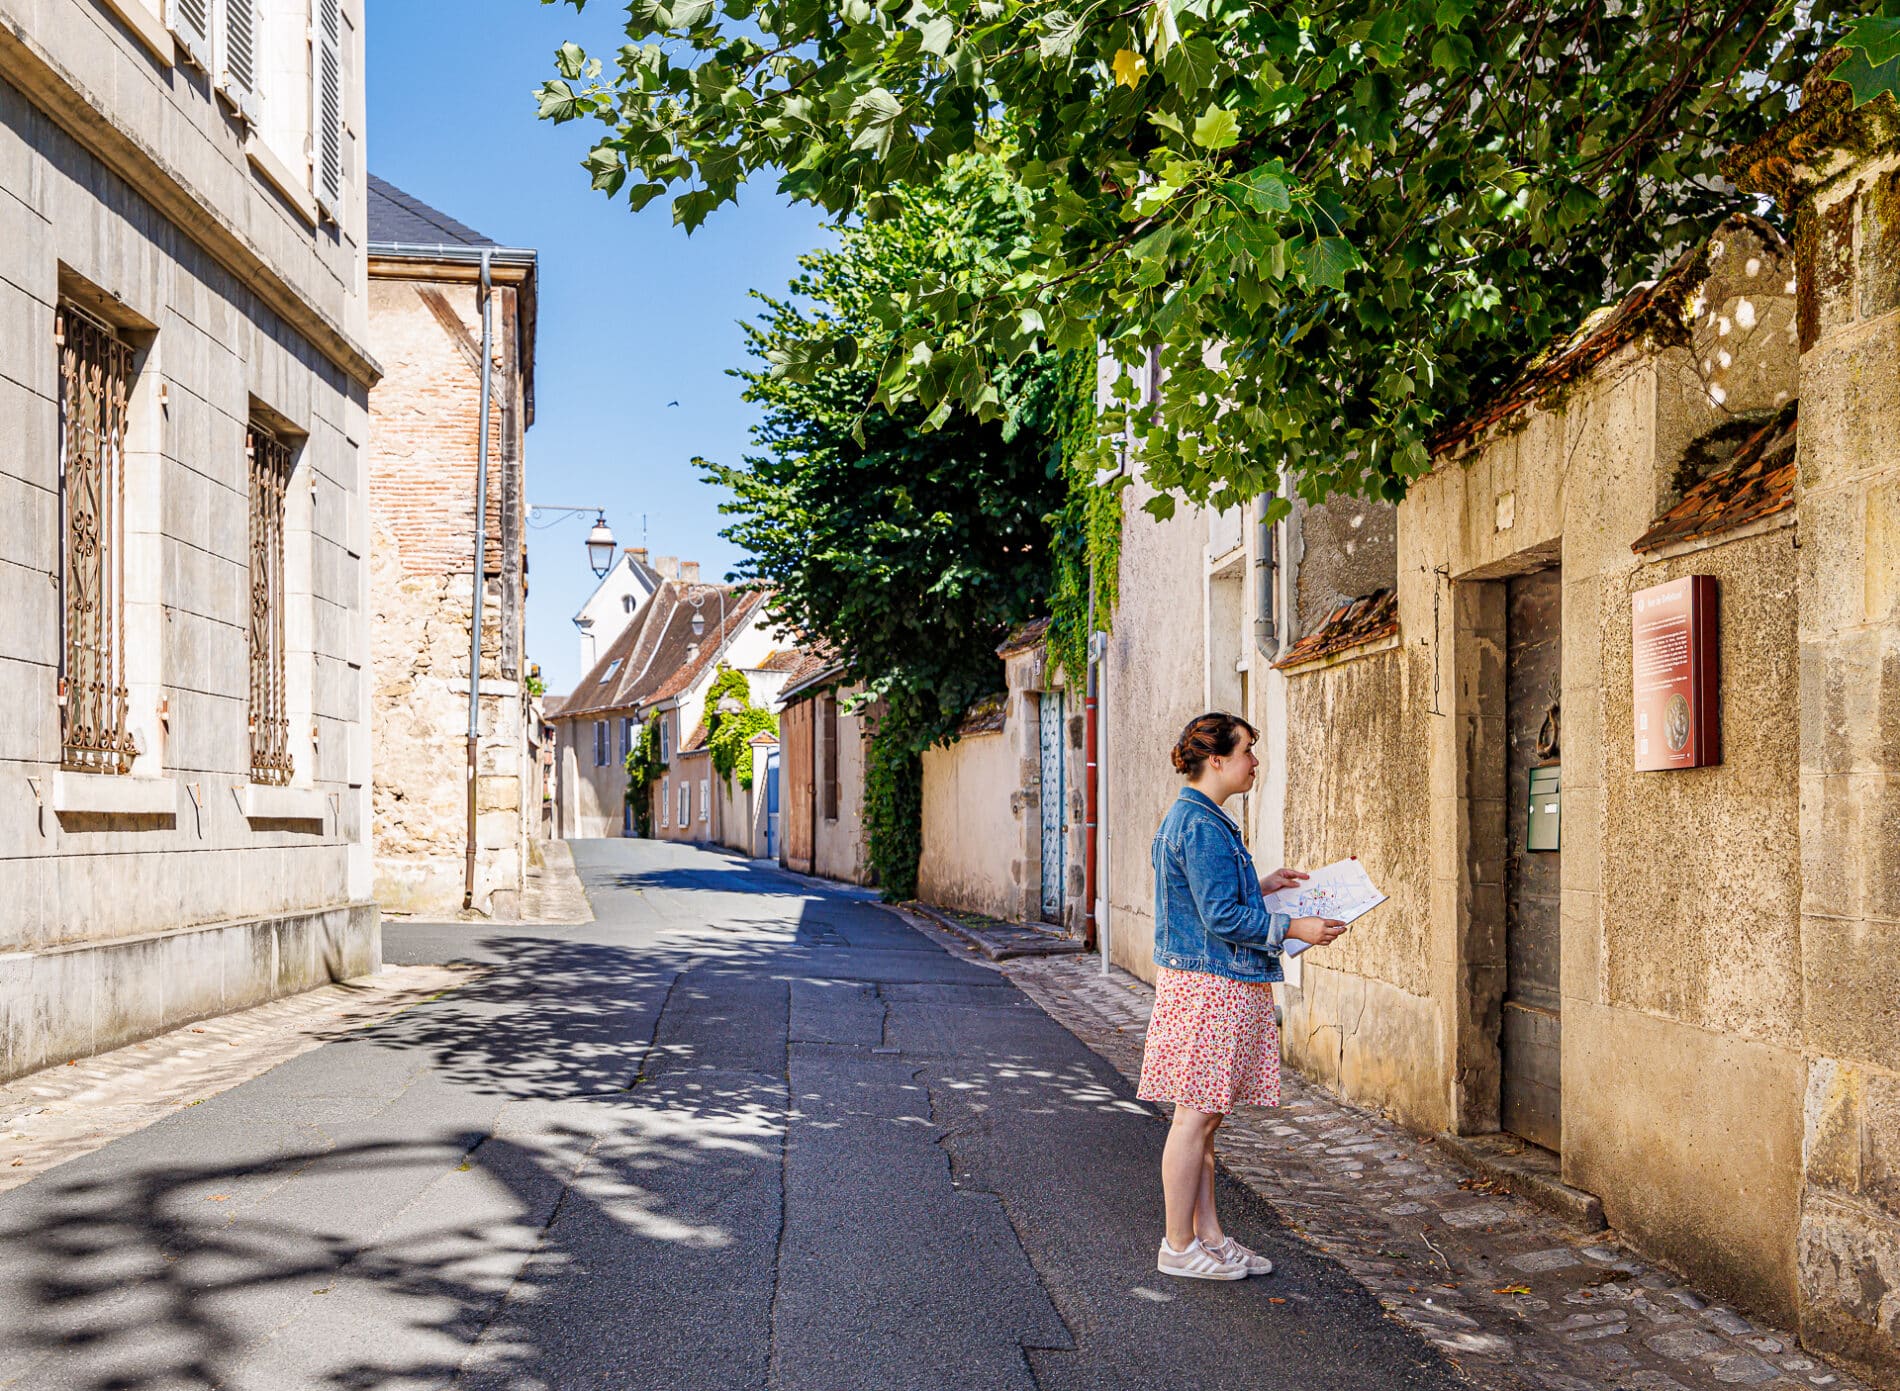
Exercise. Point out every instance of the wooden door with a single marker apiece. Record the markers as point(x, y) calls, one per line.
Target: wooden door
point(1531, 1037)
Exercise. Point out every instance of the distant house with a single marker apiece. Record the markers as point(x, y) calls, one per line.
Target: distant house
point(435, 853)
point(822, 752)
point(657, 670)
point(622, 592)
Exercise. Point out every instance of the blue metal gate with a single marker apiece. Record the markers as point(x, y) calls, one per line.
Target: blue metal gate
point(771, 805)
point(1054, 821)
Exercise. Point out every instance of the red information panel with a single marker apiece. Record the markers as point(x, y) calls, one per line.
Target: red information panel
point(1678, 701)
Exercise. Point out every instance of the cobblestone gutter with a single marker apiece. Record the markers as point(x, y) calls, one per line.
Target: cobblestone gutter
point(1514, 1297)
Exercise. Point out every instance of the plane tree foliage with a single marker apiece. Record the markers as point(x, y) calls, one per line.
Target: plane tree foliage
point(1334, 221)
point(908, 552)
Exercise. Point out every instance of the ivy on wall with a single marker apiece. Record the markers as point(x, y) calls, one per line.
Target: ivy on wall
point(1087, 532)
point(729, 734)
point(643, 770)
point(894, 809)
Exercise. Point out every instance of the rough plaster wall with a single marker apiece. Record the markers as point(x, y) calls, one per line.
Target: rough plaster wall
point(1361, 1021)
point(1151, 689)
point(1700, 922)
point(1348, 548)
point(970, 833)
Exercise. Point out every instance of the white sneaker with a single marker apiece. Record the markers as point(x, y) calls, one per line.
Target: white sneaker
point(1197, 1263)
point(1234, 1253)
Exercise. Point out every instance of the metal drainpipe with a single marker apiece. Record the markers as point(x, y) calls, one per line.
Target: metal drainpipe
point(1089, 780)
point(481, 576)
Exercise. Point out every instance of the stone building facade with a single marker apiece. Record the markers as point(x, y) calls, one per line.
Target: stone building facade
point(425, 327)
point(183, 543)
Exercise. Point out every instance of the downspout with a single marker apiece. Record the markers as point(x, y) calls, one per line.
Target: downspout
point(1089, 780)
point(481, 577)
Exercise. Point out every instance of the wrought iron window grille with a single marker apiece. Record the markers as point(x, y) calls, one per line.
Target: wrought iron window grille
point(95, 373)
point(268, 461)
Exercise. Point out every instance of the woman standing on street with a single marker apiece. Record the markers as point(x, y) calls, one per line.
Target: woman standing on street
point(1212, 1041)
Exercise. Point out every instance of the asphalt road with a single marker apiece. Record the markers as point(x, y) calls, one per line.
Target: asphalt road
point(737, 1132)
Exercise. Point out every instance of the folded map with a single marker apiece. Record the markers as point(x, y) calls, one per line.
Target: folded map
point(1342, 891)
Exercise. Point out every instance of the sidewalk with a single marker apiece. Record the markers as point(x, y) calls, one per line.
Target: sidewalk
point(62, 1113)
point(1513, 1296)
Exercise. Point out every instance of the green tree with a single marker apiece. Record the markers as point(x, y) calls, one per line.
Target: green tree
point(1374, 207)
point(909, 552)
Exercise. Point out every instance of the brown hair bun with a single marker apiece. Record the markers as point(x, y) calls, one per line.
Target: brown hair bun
point(1213, 735)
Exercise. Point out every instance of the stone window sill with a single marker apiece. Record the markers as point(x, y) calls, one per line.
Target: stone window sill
point(146, 26)
point(101, 794)
point(277, 174)
point(262, 802)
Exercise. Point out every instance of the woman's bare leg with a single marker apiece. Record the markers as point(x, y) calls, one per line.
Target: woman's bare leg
point(1183, 1163)
point(1206, 1222)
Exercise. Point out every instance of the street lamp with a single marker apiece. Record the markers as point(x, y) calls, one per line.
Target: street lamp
point(601, 548)
point(697, 599)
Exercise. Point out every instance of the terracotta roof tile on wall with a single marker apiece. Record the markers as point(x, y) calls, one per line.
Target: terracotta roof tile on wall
point(1756, 482)
point(986, 716)
point(1660, 309)
point(1024, 637)
point(1364, 620)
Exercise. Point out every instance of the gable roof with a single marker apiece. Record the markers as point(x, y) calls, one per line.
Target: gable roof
point(640, 569)
point(398, 218)
point(656, 656)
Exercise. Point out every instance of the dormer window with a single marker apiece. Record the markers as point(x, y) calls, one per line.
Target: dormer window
point(608, 674)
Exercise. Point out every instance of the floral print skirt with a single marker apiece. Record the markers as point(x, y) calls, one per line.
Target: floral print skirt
point(1212, 1043)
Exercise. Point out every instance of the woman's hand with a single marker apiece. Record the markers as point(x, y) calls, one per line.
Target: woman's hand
point(1318, 932)
point(1282, 879)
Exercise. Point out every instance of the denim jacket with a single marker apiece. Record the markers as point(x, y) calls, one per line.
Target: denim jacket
point(1209, 912)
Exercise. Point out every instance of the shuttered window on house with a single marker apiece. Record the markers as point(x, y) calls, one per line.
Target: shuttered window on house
point(326, 107)
point(600, 743)
point(95, 375)
point(268, 460)
point(831, 756)
point(238, 47)
point(190, 23)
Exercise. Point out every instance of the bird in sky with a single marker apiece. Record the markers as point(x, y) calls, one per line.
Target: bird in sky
point(672, 403)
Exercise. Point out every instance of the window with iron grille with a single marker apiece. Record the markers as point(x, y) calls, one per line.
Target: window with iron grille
point(95, 374)
point(268, 461)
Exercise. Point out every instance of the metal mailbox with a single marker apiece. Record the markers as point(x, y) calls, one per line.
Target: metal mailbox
point(1545, 825)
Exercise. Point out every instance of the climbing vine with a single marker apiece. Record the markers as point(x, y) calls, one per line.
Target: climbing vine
point(1087, 532)
point(729, 734)
point(644, 768)
point(894, 809)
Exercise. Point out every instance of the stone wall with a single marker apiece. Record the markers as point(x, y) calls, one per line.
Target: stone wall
point(135, 902)
point(425, 420)
point(1840, 171)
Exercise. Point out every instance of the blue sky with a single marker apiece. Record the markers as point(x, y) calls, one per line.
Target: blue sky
point(634, 314)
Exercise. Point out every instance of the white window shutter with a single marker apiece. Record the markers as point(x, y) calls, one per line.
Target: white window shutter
point(237, 55)
point(190, 23)
point(326, 107)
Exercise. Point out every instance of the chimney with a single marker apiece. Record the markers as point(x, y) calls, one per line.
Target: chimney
point(668, 566)
point(639, 553)
point(689, 571)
